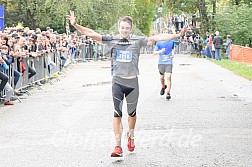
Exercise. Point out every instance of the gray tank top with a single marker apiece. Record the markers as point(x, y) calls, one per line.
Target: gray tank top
point(124, 54)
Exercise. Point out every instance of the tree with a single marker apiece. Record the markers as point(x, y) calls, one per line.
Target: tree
point(236, 21)
point(95, 14)
point(179, 6)
point(203, 16)
point(143, 15)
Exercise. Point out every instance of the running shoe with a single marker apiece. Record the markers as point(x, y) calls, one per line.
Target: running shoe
point(131, 145)
point(163, 90)
point(117, 152)
point(8, 103)
point(168, 96)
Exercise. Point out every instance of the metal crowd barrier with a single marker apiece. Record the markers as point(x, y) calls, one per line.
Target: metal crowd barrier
point(41, 65)
point(183, 48)
point(49, 65)
point(86, 52)
point(147, 49)
point(10, 74)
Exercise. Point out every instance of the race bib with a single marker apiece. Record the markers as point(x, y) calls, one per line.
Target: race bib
point(123, 56)
point(166, 57)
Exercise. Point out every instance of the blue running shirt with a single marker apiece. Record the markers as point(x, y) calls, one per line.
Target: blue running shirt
point(165, 57)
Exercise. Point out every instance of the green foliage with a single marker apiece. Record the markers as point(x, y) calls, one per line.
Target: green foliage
point(223, 15)
point(143, 15)
point(179, 6)
point(236, 21)
point(102, 15)
point(239, 2)
point(95, 14)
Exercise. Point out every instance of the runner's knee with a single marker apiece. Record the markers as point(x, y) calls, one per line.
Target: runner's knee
point(161, 73)
point(133, 113)
point(117, 113)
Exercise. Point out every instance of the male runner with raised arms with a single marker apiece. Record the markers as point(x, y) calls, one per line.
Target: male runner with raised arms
point(125, 53)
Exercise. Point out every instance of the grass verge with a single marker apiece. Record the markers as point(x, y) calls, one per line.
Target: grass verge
point(240, 69)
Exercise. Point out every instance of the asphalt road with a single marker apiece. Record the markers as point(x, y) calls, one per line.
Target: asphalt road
point(207, 123)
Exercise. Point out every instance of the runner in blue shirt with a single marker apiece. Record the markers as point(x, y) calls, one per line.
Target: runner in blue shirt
point(165, 49)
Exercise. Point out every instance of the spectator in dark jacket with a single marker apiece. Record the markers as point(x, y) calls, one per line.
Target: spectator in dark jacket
point(218, 42)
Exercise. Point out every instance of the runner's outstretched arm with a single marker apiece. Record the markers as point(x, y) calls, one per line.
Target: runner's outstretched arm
point(83, 30)
point(165, 37)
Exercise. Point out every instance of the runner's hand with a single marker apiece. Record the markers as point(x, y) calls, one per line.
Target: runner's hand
point(71, 18)
point(162, 50)
point(183, 31)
